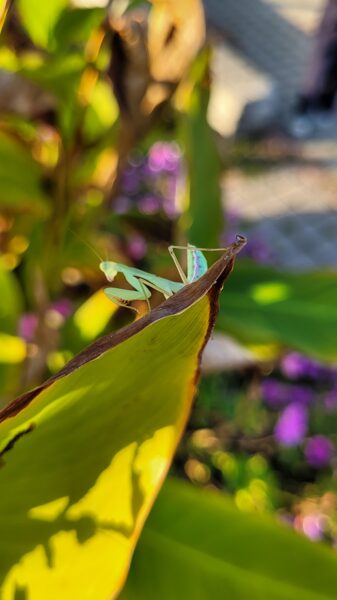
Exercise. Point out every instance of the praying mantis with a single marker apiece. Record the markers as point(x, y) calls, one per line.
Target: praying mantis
point(141, 281)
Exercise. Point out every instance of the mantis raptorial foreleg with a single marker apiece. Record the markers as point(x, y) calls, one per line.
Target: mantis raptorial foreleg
point(110, 293)
point(121, 296)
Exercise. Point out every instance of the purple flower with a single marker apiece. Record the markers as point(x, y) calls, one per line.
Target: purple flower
point(137, 247)
point(164, 157)
point(63, 306)
point(292, 425)
point(312, 527)
point(130, 180)
point(274, 393)
point(318, 451)
point(149, 204)
point(295, 366)
point(302, 394)
point(27, 326)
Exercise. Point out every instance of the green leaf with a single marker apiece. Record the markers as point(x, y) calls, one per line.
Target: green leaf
point(11, 301)
point(204, 217)
point(75, 25)
point(196, 544)
point(60, 74)
point(39, 18)
point(102, 111)
point(20, 177)
point(84, 455)
point(12, 348)
point(263, 306)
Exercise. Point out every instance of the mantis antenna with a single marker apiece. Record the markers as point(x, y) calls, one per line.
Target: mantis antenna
point(90, 246)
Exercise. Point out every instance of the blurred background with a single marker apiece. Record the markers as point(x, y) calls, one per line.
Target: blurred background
point(129, 126)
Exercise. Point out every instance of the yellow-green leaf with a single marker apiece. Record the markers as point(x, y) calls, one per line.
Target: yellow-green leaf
point(84, 455)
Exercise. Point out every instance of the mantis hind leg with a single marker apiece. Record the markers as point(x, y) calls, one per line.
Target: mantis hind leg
point(240, 241)
point(176, 261)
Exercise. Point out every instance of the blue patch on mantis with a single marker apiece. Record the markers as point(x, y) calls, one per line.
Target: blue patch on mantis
point(141, 281)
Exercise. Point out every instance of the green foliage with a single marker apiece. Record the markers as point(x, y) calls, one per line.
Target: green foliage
point(264, 306)
point(21, 178)
point(195, 544)
point(39, 19)
point(204, 215)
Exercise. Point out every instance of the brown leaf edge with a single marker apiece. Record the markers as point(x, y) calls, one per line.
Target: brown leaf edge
point(211, 283)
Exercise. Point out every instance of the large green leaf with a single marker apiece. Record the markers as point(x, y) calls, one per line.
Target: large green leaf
point(85, 453)
point(196, 544)
point(264, 306)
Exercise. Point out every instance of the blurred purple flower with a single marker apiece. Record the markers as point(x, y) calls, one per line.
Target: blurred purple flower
point(27, 326)
point(149, 204)
point(312, 527)
point(169, 207)
point(302, 394)
point(295, 366)
point(318, 451)
point(274, 393)
point(164, 156)
point(292, 425)
point(130, 180)
point(137, 247)
point(63, 306)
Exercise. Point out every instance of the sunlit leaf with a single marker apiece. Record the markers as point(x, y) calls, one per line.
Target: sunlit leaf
point(196, 544)
point(39, 18)
point(85, 453)
point(102, 111)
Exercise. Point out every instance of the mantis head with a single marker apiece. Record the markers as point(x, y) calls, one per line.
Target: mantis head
point(108, 269)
